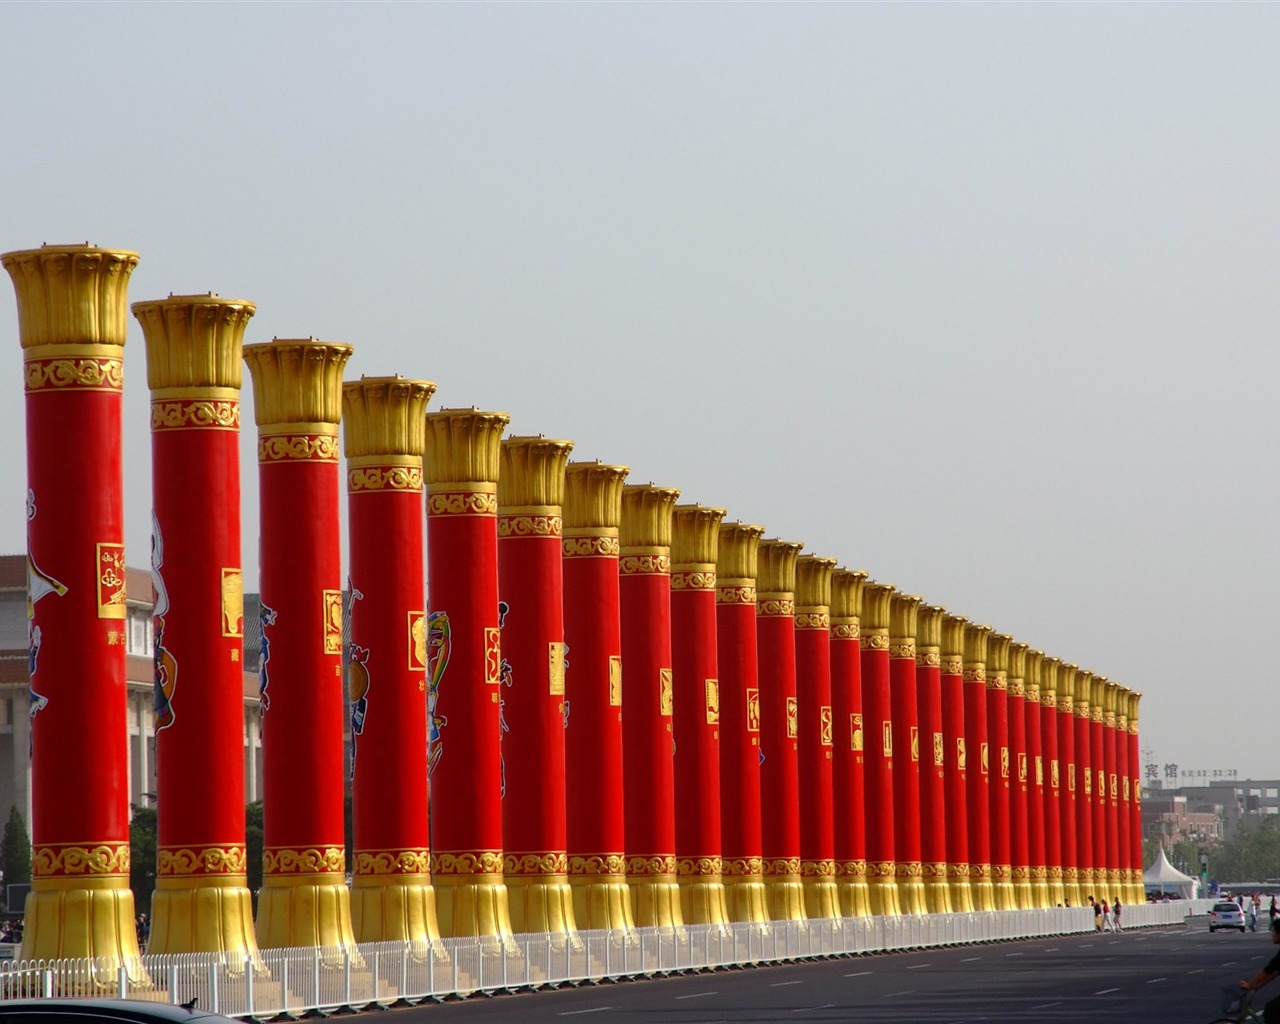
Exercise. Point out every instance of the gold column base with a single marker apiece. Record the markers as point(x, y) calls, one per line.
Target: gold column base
point(471, 906)
point(1114, 882)
point(912, 897)
point(1057, 890)
point(655, 900)
point(984, 890)
point(783, 890)
point(1040, 887)
point(1024, 896)
point(882, 890)
point(855, 897)
point(1071, 887)
point(959, 888)
point(82, 918)
point(541, 903)
point(1087, 886)
point(702, 900)
point(1137, 891)
point(1002, 878)
point(937, 891)
point(602, 902)
point(394, 908)
point(203, 914)
point(821, 894)
point(306, 909)
point(744, 892)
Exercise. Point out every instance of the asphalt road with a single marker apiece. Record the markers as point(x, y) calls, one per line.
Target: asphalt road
point(1165, 975)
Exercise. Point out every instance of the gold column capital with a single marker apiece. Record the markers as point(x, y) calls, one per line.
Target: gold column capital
point(297, 381)
point(1134, 698)
point(846, 596)
point(876, 597)
point(929, 625)
point(463, 446)
point(1083, 691)
point(593, 497)
point(1018, 659)
point(194, 341)
point(997, 659)
point(695, 533)
point(385, 416)
point(737, 544)
point(975, 647)
point(904, 616)
point(813, 582)
point(776, 566)
point(1033, 674)
point(70, 294)
point(647, 515)
point(1066, 686)
point(953, 630)
point(531, 472)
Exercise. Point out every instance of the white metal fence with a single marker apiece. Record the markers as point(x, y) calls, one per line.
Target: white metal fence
point(297, 980)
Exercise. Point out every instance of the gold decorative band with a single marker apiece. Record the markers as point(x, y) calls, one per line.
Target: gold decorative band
point(902, 650)
point(699, 866)
point(644, 565)
point(1095, 714)
point(875, 639)
point(384, 478)
point(845, 631)
point(1055, 872)
point(882, 869)
point(852, 868)
point(952, 666)
point(928, 657)
point(1017, 689)
point(781, 866)
point(776, 607)
point(298, 448)
point(813, 620)
point(307, 861)
point(976, 673)
point(1109, 719)
point(817, 869)
point(997, 681)
point(959, 871)
point(660, 864)
point(392, 862)
point(214, 860)
point(1021, 872)
point(735, 595)
point(937, 869)
point(908, 869)
point(1065, 705)
point(742, 866)
point(979, 871)
point(591, 547)
point(549, 863)
point(71, 374)
point(530, 526)
point(473, 862)
point(60, 861)
point(463, 503)
point(195, 415)
point(1039, 873)
point(698, 580)
point(599, 864)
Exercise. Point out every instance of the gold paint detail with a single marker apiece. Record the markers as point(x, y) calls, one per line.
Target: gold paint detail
point(555, 668)
point(1017, 689)
point(591, 547)
point(712, 688)
point(693, 580)
point(385, 417)
point(793, 718)
point(961, 757)
point(666, 692)
point(958, 871)
point(297, 448)
point(952, 666)
point(852, 868)
point(197, 415)
point(753, 709)
point(111, 575)
point(392, 862)
point(232, 603)
point(463, 503)
point(908, 869)
point(813, 620)
point(902, 650)
point(384, 478)
point(213, 860)
point(818, 868)
point(75, 374)
point(101, 859)
point(417, 641)
point(305, 861)
point(492, 655)
point(735, 595)
point(599, 864)
point(781, 866)
point(644, 565)
point(826, 726)
point(928, 657)
point(845, 631)
point(882, 869)
point(699, 866)
point(70, 293)
point(530, 526)
point(975, 674)
point(662, 864)
point(936, 869)
point(332, 611)
point(779, 607)
point(615, 680)
point(939, 750)
point(855, 732)
point(741, 866)
point(875, 640)
point(554, 863)
point(477, 862)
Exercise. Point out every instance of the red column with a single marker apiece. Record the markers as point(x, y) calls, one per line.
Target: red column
point(878, 771)
point(999, 779)
point(1037, 782)
point(696, 684)
point(593, 690)
point(194, 348)
point(1097, 755)
point(979, 799)
point(464, 671)
point(955, 763)
point(383, 438)
point(1084, 784)
point(817, 735)
point(779, 728)
point(532, 701)
point(1137, 893)
point(848, 783)
point(1024, 759)
point(736, 564)
point(647, 728)
point(933, 746)
point(1111, 819)
point(1072, 788)
point(297, 391)
point(1123, 797)
point(903, 614)
point(1052, 796)
point(71, 323)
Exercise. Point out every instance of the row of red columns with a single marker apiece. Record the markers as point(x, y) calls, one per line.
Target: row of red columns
point(603, 710)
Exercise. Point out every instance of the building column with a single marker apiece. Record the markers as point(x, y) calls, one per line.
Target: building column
point(532, 701)
point(1023, 763)
point(1073, 880)
point(998, 781)
point(384, 436)
point(1111, 817)
point(1084, 805)
point(904, 610)
point(1031, 768)
point(1137, 893)
point(779, 728)
point(465, 671)
point(297, 391)
point(817, 735)
point(71, 324)
point(848, 784)
point(1098, 758)
point(877, 707)
point(647, 726)
point(593, 690)
point(933, 746)
point(1120, 734)
point(979, 797)
point(696, 685)
point(955, 763)
point(739, 721)
point(194, 350)
point(1052, 796)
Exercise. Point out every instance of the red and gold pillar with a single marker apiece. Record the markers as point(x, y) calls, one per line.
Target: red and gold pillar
point(877, 708)
point(383, 436)
point(779, 729)
point(1111, 818)
point(1022, 766)
point(817, 735)
point(1119, 704)
point(848, 783)
point(979, 797)
point(955, 765)
point(71, 323)
point(1072, 792)
point(904, 610)
point(736, 564)
point(464, 671)
point(1052, 796)
point(1137, 892)
point(933, 746)
point(194, 350)
point(647, 727)
point(696, 684)
point(1098, 758)
point(1084, 771)
point(532, 698)
point(297, 391)
point(998, 780)
point(593, 690)
point(1037, 778)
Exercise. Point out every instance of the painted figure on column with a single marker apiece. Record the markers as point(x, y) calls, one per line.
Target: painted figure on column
point(593, 687)
point(848, 783)
point(740, 811)
point(384, 437)
point(904, 610)
point(194, 352)
point(71, 325)
point(956, 765)
point(979, 770)
point(879, 750)
point(933, 747)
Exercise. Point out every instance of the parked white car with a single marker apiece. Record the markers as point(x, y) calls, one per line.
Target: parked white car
point(1226, 915)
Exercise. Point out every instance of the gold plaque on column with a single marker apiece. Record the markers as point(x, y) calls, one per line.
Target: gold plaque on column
point(713, 702)
point(615, 680)
point(555, 667)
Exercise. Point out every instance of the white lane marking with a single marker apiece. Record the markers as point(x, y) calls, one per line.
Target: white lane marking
point(890, 995)
point(1114, 942)
point(1045, 1006)
point(857, 974)
point(916, 967)
point(1106, 991)
point(1198, 970)
point(696, 995)
point(806, 1009)
point(779, 984)
point(594, 1009)
point(1013, 954)
point(1054, 950)
point(970, 959)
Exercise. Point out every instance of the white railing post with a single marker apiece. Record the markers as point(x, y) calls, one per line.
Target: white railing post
point(213, 987)
point(248, 985)
point(122, 982)
point(315, 978)
point(376, 960)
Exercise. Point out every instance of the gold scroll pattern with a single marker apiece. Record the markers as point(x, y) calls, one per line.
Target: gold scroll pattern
point(198, 415)
point(739, 867)
point(644, 565)
point(307, 861)
point(476, 862)
point(392, 862)
point(852, 868)
point(952, 666)
point(213, 860)
point(384, 478)
point(111, 576)
point(332, 621)
point(232, 594)
point(874, 641)
point(928, 657)
point(530, 526)
point(959, 870)
point(662, 864)
point(975, 674)
point(776, 606)
point(591, 547)
point(937, 869)
point(712, 687)
point(462, 503)
point(818, 868)
point(735, 595)
point(102, 859)
point(813, 620)
point(693, 581)
point(298, 448)
point(666, 692)
point(599, 864)
point(699, 866)
point(902, 650)
point(553, 863)
point(882, 869)
point(75, 374)
point(615, 680)
point(845, 631)
point(781, 866)
point(908, 869)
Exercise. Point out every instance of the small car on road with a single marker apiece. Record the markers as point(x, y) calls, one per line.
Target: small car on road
point(1226, 915)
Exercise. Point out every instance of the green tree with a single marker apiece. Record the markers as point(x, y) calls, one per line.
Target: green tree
point(142, 857)
point(15, 851)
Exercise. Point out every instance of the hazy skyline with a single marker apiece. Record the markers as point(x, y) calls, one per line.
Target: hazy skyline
point(980, 298)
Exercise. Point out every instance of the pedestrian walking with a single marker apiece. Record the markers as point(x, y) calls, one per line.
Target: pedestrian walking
point(1116, 912)
point(1108, 923)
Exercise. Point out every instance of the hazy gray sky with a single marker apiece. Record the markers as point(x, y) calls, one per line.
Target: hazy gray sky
point(980, 298)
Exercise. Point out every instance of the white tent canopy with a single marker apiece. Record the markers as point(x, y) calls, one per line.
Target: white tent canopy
point(1166, 876)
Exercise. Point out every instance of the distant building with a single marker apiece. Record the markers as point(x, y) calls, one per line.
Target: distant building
point(1208, 812)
